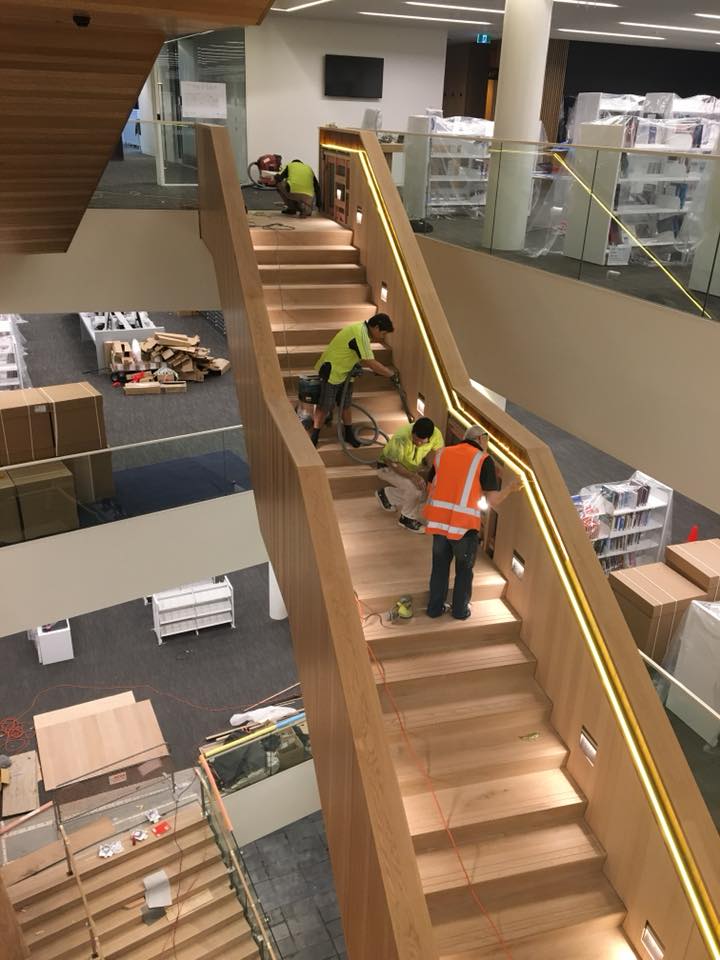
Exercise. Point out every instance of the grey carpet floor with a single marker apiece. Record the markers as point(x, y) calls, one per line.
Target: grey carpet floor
point(195, 683)
point(56, 354)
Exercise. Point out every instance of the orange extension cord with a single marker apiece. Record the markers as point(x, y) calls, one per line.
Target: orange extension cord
point(431, 787)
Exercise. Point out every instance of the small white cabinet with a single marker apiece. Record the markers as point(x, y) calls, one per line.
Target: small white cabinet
point(53, 642)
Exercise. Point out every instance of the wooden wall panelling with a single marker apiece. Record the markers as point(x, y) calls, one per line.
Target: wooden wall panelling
point(11, 937)
point(619, 812)
point(552, 99)
point(375, 869)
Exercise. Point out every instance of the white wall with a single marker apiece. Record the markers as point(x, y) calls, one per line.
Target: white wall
point(284, 62)
point(88, 570)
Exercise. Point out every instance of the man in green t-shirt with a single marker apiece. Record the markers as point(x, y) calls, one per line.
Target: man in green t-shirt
point(350, 347)
point(404, 463)
point(297, 185)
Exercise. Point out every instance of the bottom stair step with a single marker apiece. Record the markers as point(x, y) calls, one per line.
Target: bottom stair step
point(588, 905)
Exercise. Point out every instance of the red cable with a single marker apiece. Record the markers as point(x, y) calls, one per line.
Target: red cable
point(446, 826)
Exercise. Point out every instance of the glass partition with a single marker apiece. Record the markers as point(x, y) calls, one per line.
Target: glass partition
point(641, 221)
point(48, 497)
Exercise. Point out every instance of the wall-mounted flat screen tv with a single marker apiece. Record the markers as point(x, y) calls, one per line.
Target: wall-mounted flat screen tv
point(359, 78)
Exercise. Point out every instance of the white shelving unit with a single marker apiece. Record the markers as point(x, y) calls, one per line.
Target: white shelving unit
point(102, 327)
point(11, 365)
point(629, 522)
point(458, 174)
point(192, 607)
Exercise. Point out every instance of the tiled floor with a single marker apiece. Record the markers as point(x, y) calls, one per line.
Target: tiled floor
point(293, 879)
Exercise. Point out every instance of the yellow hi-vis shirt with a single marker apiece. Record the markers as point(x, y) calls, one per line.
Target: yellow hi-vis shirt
point(300, 178)
point(340, 354)
point(400, 448)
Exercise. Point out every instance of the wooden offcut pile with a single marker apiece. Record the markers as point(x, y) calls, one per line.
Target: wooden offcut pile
point(182, 354)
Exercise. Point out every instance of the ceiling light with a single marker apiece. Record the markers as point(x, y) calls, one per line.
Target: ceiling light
point(407, 16)
point(708, 16)
point(664, 26)
point(301, 6)
point(587, 3)
point(604, 33)
point(448, 6)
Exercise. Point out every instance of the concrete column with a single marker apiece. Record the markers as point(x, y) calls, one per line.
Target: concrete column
point(277, 609)
point(521, 78)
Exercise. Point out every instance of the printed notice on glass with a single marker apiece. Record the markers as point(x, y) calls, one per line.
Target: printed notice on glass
point(203, 101)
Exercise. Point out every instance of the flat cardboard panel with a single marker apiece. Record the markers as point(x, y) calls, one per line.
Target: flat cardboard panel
point(25, 427)
point(10, 526)
point(46, 497)
point(699, 562)
point(76, 412)
point(655, 589)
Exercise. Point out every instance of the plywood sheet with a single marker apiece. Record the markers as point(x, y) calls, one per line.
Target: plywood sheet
point(42, 720)
point(86, 746)
point(21, 794)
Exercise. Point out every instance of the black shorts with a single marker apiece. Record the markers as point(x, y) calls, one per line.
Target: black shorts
point(331, 395)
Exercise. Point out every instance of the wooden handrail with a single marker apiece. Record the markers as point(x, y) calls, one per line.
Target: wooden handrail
point(95, 945)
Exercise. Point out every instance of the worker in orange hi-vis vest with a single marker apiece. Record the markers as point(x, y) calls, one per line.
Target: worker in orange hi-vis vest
point(463, 474)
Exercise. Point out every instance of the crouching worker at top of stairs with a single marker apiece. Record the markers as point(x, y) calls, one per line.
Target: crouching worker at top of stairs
point(349, 347)
point(298, 186)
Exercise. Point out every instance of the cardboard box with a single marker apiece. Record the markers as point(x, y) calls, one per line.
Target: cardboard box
point(699, 563)
point(180, 387)
point(144, 388)
point(93, 476)
point(653, 599)
point(25, 427)
point(78, 421)
point(46, 497)
point(10, 526)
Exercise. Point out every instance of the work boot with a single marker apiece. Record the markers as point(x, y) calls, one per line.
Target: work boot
point(315, 436)
point(351, 438)
point(414, 526)
point(383, 499)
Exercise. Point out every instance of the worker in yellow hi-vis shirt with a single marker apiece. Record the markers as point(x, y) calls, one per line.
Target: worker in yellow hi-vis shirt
point(298, 186)
point(351, 347)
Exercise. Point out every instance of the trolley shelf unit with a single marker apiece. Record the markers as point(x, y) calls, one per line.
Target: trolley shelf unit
point(192, 607)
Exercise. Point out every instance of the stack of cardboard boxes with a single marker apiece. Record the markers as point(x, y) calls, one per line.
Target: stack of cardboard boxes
point(47, 423)
point(181, 353)
point(654, 597)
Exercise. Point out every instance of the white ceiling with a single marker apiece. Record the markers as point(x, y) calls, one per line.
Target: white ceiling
point(679, 13)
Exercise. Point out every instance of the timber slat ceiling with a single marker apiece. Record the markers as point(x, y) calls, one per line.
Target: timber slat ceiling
point(66, 93)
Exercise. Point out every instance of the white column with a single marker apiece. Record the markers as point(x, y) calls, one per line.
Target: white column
point(277, 609)
point(521, 78)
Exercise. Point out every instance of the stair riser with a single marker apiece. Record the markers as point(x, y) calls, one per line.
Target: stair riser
point(101, 866)
point(386, 647)
point(306, 255)
point(505, 671)
point(159, 933)
point(353, 487)
point(312, 273)
point(480, 831)
point(505, 885)
point(331, 295)
point(529, 715)
point(411, 783)
point(299, 237)
point(65, 884)
point(366, 383)
point(338, 458)
point(168, 854)
point(306, 359)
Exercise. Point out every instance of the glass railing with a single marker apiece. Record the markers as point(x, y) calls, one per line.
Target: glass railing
point(697, 727)
point(247, 758)
point(48, 497)
point(642, 221)
point(240, 879)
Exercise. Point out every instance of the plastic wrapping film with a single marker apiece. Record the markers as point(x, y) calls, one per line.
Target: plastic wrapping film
point(593, 107)
point(457, 172)
point(628, 522)
point(693, 658)
point(13, 366)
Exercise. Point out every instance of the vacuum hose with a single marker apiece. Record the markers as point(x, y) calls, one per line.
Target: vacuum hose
point(370, 424)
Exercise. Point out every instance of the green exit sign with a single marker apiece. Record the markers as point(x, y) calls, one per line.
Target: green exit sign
point(483, 38)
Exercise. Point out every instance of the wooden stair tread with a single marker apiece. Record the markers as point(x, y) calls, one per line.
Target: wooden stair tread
point(295, 348)
point(463, 752)
point(199, 913)
point(503, 857)
point(483, 655)
point(232, 941)
point(492, 801)
point(486, 615)
point(311, 287)
point(461, 930)
point(444, 700)
point(573, 945)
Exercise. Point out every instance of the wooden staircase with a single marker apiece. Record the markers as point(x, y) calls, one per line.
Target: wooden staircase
point(204, 921)
point(468, 726)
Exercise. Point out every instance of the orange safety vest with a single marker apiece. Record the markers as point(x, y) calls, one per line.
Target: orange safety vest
point(452, 505)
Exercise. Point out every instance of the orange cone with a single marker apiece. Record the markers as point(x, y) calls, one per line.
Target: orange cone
point(693, 535)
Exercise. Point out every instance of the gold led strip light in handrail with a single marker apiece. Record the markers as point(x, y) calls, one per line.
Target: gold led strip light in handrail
point(660, 802)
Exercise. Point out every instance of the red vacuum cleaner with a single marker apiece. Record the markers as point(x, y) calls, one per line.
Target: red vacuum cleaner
point(263, 171)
